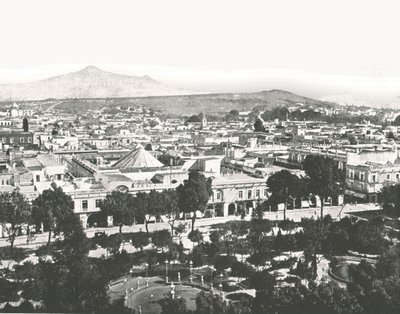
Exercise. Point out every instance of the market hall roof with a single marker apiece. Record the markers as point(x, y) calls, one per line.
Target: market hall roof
point(138, 158)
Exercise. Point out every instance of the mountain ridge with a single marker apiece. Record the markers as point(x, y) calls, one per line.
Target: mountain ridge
point(89, 82)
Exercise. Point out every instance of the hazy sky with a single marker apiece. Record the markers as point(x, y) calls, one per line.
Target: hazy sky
point(311, 47)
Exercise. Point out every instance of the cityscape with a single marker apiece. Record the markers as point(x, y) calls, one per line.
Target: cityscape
point(142, 187)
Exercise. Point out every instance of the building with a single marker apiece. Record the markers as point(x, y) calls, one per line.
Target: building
point(13, 138)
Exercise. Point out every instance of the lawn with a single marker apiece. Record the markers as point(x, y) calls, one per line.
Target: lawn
point(148, 297)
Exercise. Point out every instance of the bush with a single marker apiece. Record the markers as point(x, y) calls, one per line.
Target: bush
point(242, 270)
point(224, 262)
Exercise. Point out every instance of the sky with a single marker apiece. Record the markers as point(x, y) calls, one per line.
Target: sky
point(341, 48)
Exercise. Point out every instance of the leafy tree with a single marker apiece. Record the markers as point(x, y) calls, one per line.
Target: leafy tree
point(353, 140)
point(70, 283)
point(161, 239)
point(154, 206)
point(259, 126)
point(315, 232)
point(148, 206)
point(119, 205)
point(208, 303)
point(224, 261)
point(193, 194)
point(140, 240)
point(232, 115)
point(284, 186)
point(391, 136)
point(52, 208)
point(390, 200)
point(264, 283)
point(396, 121)
point(14, 214)
point(194, 118)
point(112, 243)
point(148, 147)
point(173, 306)
point(323, 177)
point(195, 236)
point(170, 207)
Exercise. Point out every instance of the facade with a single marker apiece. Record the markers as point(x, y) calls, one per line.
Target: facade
point(233, 190)
point(16, 138)
point(365, 181)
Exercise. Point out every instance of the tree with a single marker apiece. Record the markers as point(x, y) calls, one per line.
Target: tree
point(52, 208)
point(193, 194)
point(173, 306)
point(284, 186)
point(70, 283)
point(323, 177)
point(154, 206)
point(25, 124)
point(194, 118)
point(390, 200)
point(259, 126)
point(148, 147)
point(353, 140)
point(14, 214)
point(396, 121)
point(391, 136)
point(161, 239)
point(147, 206)
point(140, 240)
point(195, 236)
point(209, 303)
point(170, 207)
point(119, 205)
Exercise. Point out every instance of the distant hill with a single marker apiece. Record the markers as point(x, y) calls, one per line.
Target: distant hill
point(186, 105)
point(223, 103)
point(91, 82)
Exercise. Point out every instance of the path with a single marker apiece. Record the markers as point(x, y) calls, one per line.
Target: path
point(337, 212)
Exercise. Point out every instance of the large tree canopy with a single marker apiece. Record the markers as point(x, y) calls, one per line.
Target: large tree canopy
point(119, 205)
point(14, 214)
point(283, 185)
point(193, 194)
point(52, 208)
point(323, 177)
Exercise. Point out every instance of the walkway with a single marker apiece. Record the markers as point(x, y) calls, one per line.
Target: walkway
point(337, 212)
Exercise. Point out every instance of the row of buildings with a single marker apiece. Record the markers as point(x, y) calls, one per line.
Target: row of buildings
point(133, 150)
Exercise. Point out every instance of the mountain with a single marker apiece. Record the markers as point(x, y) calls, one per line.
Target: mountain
point(91, 82)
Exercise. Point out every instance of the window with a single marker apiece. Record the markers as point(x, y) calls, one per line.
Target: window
point(218, 195)
point(388, 176)
point(29, 140)
point(21, 140)
point(240, 194)
point(249, 194)
point(37, 178)
point(374, 178)
point(85, 205)
point(362, 176)
point(397, 176)
point(59, 177)
point(98, 202)
point(265, 192)
point(340, 165)
point(351, 174)
point(11, 140)
point(257, 193)
point(3, 140)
